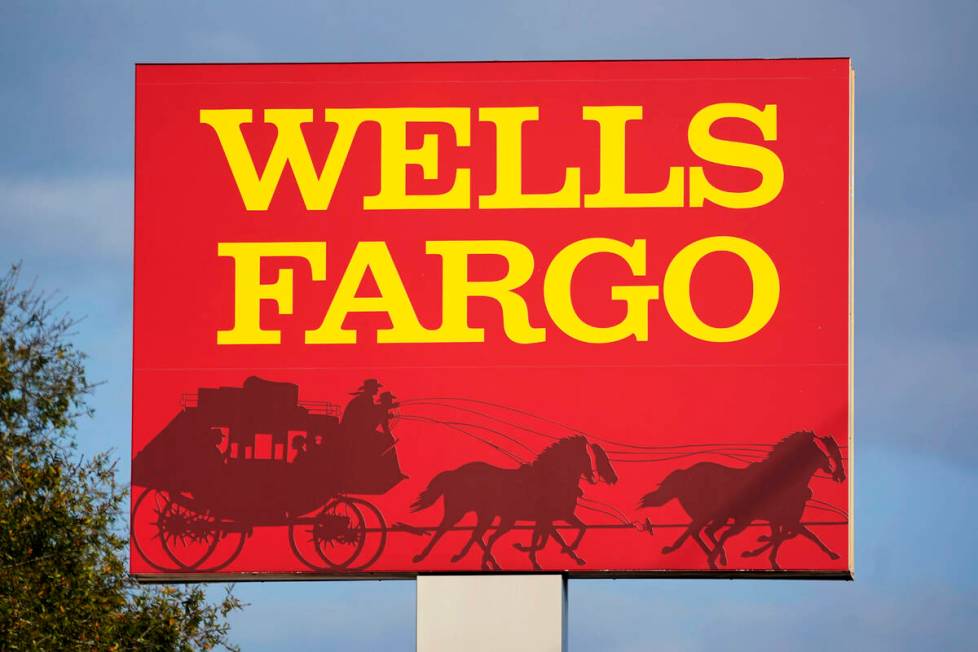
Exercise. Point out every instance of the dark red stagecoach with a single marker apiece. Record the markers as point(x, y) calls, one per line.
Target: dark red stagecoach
point(239, 458)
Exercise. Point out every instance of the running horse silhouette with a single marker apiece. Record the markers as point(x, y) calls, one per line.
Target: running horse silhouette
point(785, 518)
point(560, 504)
point(774, 489)
point(542, 491)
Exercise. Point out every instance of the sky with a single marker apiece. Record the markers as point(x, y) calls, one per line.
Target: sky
point(66, 110)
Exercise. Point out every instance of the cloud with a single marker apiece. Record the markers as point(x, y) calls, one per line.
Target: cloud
point(712, 614)
point(86, 218)
point(917, 331)
point(349, 616)
point(920, 393)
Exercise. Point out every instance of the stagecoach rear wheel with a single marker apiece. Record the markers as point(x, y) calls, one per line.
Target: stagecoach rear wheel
point(375, 535)
point(147, 512)
point(230, 544)
point(189, 537)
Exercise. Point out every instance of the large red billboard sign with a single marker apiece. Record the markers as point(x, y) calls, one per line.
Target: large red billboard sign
point(589, 317)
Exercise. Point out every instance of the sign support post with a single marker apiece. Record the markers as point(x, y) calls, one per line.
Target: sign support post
point(477, 613)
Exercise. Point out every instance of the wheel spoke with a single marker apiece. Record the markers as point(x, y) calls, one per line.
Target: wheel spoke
point(338, 533)
point(189, 537)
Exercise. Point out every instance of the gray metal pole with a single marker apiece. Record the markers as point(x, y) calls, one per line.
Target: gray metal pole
point(476, 613)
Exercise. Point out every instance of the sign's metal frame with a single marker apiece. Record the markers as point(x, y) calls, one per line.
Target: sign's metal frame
point(848, 574)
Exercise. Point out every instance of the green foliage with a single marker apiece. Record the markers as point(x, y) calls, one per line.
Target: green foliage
point(63, 580)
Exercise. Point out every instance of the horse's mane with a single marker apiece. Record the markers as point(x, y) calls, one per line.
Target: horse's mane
point(556, 450)
point(788, 449)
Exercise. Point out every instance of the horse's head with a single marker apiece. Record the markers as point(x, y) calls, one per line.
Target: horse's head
point(603, 465)
point(574, 455)
point(581, 459)
point(806, 453)
point(832, 465)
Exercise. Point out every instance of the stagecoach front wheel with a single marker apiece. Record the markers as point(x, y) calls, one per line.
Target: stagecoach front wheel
point(339, 533)
point(374, 535)
point(332, 539)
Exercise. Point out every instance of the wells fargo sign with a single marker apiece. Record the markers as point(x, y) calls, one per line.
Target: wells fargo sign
point(590, 317)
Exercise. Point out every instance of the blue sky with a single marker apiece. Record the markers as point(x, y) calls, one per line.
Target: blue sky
point(66, 79)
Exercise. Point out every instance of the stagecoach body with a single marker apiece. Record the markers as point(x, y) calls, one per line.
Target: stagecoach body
point(237, 458)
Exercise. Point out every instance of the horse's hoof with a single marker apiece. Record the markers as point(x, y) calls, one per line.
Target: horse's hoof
point(667, 549)
point(749, 553)
point(418, 558)
point(580, 562)
point(832, 555)
point(457, 558)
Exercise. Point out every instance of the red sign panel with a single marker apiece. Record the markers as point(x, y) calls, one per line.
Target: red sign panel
point(589, 317)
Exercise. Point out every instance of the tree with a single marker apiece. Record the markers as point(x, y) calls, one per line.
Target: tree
point(63, 541)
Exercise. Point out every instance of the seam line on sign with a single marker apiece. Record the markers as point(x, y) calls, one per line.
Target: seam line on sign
point(243, 576)
point(450, 62)
point(411, 82)
point(497, 366)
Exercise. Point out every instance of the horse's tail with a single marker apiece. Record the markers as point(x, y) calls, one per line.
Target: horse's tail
point(435, 490)
point(665, 492)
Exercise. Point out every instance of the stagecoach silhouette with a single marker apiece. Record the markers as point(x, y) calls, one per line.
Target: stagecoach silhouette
point(235, 459)
point(238, 458)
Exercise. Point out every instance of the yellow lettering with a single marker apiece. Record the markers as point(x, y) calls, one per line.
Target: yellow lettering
point(560, 305)
point(764, 301)
point(249, 291)
point(611, 191)
point(509, 164)
point(395, 157)
point(741, 155)
point(290, 148)
point(457, 289)
point(393, 300)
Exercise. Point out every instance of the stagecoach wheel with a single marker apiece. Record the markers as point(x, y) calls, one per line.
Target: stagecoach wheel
point(339, 533)
point(230, 543)
point(300, 538)
point(189, 537)
point(375, 535)
point(145, 517)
